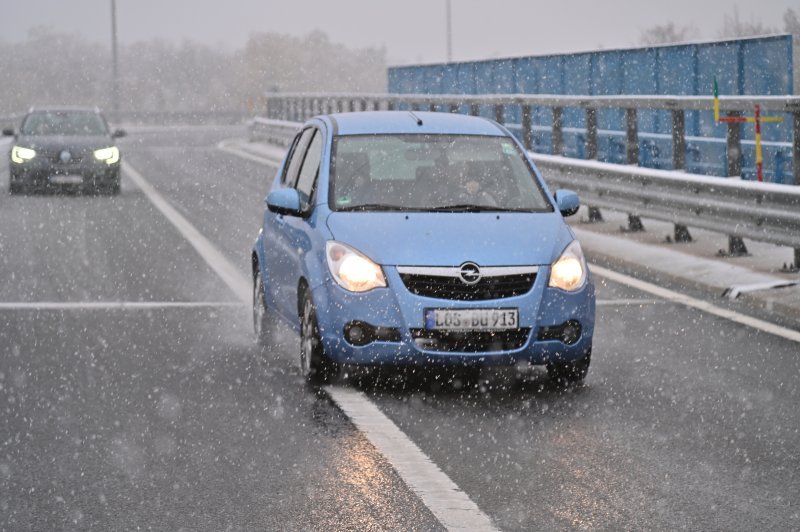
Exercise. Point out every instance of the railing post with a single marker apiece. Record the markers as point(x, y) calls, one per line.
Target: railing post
point(474, 109)
point(390, 105)
point(558, 131)
point(452, 107)
point(591, 133)
point(734, 138)
point(499, 113)
point(678, 139)
point(432, 107)
point(736, 246)
point(632, 137)
point(527, 127)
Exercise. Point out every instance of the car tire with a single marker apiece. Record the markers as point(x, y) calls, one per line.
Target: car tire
point(572, 372)
point(263, 322)
point(315, 365)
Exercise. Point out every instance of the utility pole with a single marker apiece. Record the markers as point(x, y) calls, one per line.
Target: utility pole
point(115, 71)
point(449, 32)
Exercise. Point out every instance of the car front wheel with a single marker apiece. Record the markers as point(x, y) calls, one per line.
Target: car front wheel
point(315, 365)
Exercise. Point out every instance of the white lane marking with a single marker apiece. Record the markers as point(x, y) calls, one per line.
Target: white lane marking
point(451, 506)
point(111, 305)
point(704, 306)
point(218, 262)
point(445, 500)
point(245, 155)
point(625, 302)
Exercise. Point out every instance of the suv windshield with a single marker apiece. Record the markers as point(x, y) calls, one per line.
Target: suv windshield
point(64, 123)
point(432, 173)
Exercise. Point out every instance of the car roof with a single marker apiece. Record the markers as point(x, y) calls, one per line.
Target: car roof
point(408, 122)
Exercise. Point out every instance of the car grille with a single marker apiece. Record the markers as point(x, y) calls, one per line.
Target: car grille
point(469, 341)
point(445, 287)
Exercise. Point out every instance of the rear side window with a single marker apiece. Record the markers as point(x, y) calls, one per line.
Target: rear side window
point(310, 169)
point(296, 159)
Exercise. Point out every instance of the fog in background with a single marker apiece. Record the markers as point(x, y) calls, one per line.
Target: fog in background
point(179, 55)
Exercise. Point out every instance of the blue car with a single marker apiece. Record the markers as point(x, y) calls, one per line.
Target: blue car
point(397, 238)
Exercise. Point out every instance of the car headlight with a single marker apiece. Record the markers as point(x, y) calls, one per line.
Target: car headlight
point(109, 155)
point(352, 270)
point(19, 154)
point(569, 271)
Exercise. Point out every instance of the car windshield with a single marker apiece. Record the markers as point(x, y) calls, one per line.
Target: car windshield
point(432, 173)
point(64, 123)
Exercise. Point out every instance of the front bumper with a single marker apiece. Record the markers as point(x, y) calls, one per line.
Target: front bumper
point(45, 174)
point(396, 309)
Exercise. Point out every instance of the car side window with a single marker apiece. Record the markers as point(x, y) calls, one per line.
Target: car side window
point(296, 158)
point(309, 171)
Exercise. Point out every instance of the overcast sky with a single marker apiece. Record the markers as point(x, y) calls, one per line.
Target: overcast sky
point(412, 31)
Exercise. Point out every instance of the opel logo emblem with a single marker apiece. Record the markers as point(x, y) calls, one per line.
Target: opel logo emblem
point(470, 273)
point(65, 156)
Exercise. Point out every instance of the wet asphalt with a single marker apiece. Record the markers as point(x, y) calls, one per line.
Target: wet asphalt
point(169, 418)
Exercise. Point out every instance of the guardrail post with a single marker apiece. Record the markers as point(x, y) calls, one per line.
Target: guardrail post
point(474, 109)
point(499, 113)
point(736, 246)
point(631, 137)
point(678, 139)
point(432, 107)
point(452, 107)
point(527, 127)
point(591, 133)
point(558, 131)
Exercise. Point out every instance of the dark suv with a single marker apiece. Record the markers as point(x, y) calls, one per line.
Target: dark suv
point(66, 148)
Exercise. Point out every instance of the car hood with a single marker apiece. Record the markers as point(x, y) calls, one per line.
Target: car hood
point(450, 239)
point(63, 142)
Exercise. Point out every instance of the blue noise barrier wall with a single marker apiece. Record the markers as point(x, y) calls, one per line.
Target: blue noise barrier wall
point(755, 66)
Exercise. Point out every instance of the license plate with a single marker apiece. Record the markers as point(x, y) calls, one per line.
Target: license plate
point(478, 319)
point(66, 179)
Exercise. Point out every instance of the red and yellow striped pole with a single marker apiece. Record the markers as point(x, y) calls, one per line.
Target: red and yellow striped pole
point(757, 119)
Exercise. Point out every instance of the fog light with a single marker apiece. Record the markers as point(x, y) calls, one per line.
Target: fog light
point(358, 333)
point(571, 332)
point(568, 332)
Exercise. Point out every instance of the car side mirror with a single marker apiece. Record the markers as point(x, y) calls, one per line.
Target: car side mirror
point(8, 132)
point(567, 201)
point(118, 133)
point(284, 201)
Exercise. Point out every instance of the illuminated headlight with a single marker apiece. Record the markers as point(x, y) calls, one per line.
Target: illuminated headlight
point(569, 271)
point(109, 155)
point(19, 154)
point(352, 270)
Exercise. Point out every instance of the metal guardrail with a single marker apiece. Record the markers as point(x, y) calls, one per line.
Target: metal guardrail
point(280, 132)
point(301, 106)
point(763, 212)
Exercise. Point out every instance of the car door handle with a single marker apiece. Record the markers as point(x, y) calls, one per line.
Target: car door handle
point(279, 220)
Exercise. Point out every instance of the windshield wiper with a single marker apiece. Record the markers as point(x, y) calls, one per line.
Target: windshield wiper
point(374, 207)
point(469, 207)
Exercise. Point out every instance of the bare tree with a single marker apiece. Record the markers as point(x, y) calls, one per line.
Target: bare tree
point(734, 27)
point(668, 33)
